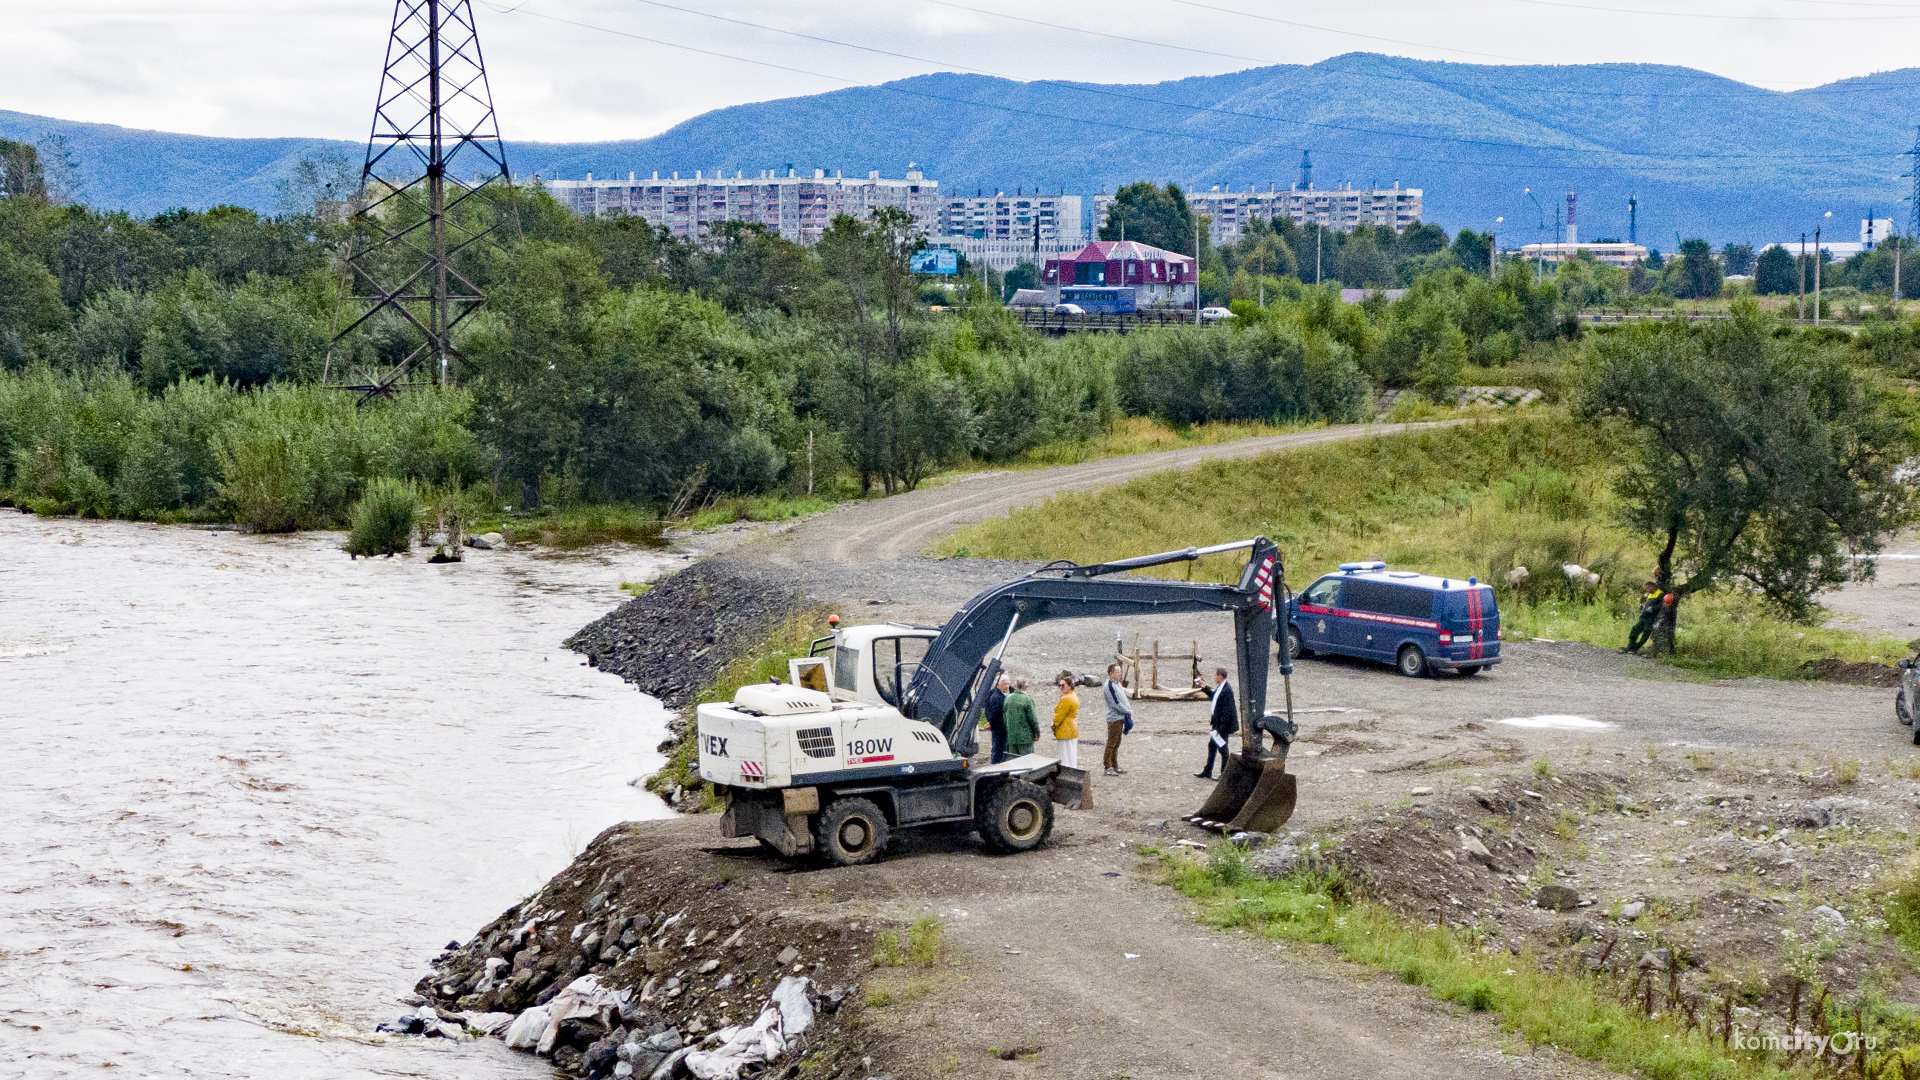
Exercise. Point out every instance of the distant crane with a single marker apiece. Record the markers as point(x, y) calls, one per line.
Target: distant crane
point(1306, 168)
point(1633, 220)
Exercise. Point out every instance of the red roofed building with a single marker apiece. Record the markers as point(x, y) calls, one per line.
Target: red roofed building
point(1158, 278)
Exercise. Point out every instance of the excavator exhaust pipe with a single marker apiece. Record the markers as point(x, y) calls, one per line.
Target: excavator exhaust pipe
point(1250, 796)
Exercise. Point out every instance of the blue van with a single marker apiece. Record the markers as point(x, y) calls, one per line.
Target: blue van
point(1418, 623)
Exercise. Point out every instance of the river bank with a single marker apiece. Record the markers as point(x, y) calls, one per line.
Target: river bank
point(252, 784)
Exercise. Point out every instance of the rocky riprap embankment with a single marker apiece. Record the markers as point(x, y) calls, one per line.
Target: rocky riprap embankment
point(673, 640)
point(643, 949)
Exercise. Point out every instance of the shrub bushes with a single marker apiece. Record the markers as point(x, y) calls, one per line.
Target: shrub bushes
point(274, 459)
point(384, 518)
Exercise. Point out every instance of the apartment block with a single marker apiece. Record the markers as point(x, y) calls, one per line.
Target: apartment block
point(1343, 208)
point(796, 207)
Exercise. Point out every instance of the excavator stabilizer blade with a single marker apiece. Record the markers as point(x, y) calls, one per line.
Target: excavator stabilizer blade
point(1071, 788)
point(1249, 796)
point(1271, 803)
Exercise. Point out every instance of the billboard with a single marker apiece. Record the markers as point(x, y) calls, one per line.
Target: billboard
point(935, 261)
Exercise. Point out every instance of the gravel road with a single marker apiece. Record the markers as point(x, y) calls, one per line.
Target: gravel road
point(1044, 941)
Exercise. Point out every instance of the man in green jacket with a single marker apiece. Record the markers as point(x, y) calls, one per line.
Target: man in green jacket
point(1023, 723)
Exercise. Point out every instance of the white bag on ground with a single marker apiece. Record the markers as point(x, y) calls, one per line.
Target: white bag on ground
point(583, 996)
point(786, 1015)
point(525, 1031)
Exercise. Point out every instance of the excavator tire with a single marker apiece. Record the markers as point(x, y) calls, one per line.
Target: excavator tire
point(1018, 817)
point(850, 832)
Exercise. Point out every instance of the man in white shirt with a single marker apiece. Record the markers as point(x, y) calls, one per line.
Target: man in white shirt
point(1222, 721)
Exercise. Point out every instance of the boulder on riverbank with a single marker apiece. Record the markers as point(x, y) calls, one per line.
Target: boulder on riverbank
point(653, 942)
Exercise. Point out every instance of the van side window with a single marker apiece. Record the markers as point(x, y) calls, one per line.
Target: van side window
point(1322, 593)
point(1387, 599)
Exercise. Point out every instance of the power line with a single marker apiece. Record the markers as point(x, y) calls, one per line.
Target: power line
point(1704, 15)
point(1238, 113)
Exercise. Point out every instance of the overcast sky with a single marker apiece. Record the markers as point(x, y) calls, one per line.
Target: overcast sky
point(308, 67)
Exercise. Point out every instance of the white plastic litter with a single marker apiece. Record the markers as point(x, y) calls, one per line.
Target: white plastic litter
point(583, 996)
point(525, 1031)
point(787, 1013)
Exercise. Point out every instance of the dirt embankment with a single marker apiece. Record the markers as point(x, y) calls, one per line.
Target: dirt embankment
point(697, 937)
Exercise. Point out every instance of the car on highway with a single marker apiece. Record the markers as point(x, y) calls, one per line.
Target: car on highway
point(1214, 314)
point(1419, 623)
point(1069, 309)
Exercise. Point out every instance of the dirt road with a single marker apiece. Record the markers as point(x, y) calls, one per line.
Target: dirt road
point(1074, 951)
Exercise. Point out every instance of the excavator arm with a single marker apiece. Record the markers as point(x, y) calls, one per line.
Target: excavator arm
point(947, 690)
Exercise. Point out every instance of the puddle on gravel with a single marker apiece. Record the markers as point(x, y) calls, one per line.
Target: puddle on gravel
point(250, 786)
point(1557, 722)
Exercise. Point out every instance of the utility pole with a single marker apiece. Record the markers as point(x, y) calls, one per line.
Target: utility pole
point(1493, 252)
point(1899, 246)
point(1800, 302)
point(1816, 274)
point(433, 117)
point(1317, 227)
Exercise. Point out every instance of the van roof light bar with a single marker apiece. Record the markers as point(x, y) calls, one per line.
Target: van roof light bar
point(1350, 567)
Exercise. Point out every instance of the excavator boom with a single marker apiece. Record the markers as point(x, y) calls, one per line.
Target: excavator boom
point(947, 690)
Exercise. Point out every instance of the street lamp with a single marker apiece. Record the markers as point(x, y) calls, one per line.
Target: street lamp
point(1816, 268)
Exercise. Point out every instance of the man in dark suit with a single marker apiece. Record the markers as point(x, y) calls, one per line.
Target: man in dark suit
point(997, 719)
point(1223, 720)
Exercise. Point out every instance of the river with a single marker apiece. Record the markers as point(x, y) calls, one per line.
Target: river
point(249, 787)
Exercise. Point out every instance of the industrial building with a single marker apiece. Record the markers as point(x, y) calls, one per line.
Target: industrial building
point(1614, 254)
point(796, 207)
point(1123, 275)
point(1342, 209)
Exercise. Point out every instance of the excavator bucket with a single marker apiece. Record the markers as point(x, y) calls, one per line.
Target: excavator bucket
point(1249, 797)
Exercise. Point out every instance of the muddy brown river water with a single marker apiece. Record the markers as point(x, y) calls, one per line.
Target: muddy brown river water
point(249, 786)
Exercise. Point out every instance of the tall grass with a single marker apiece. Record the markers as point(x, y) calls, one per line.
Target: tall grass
point(383, 519)
point(1473, 500)
point(1546, 1007)
point(275, 459)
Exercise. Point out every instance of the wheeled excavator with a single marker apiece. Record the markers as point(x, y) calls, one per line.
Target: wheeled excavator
point(875, 729)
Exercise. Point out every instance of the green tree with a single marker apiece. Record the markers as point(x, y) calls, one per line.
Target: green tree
point(1697, 275)
point(1774, 273)
point(30, 307)
point(1736, 258)
point(1474, 252)
point(1153, 215)
point(21, 175)
point(1756, 459)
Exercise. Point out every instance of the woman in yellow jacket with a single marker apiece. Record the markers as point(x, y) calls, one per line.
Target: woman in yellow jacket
point(1066, 727)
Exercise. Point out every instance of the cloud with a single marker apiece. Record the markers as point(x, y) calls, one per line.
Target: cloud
point(308, 67)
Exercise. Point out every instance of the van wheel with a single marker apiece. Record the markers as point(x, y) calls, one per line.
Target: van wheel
point(850, 832)
point(1018, 817)
point(1413, 662)
point(1900, 709)
point(1295, 647)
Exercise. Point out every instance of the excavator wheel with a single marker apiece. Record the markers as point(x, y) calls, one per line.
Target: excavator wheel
point(850, 832)
point(1018, 817)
